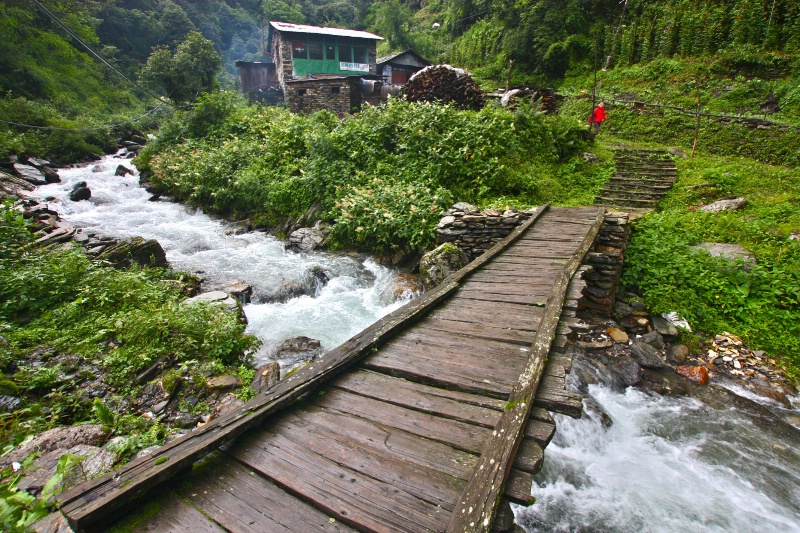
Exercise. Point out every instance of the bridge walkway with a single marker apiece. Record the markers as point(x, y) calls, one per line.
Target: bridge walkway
point(427, 421)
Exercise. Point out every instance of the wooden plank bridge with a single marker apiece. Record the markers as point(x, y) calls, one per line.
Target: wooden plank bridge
point(432, 419)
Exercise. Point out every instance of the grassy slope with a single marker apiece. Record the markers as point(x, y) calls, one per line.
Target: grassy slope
point(760, 303)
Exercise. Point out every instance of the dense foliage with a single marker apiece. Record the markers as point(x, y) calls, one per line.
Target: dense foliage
point(126, 319)
point(384, 176)
point(759, 301)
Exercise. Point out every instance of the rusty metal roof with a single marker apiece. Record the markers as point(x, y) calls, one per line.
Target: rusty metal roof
point(321, 30)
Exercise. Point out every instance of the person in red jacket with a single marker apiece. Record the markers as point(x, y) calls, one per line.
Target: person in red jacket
point(598, 116)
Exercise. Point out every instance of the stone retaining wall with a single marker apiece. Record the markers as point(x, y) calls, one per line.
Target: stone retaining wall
point(606, 259)
point(475, 231)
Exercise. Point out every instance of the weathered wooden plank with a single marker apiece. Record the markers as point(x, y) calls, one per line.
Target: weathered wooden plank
point(457, 346)
point(519, 316)
point(242, 501)
point(174, 516)
point(477, 505)
point(564, 402)
point(357, 500)
point(529, 457)
point(91, 501)
point(518, 487)
point(479, 330)
point(456, 434)
point(427, 484)
point(537, 300)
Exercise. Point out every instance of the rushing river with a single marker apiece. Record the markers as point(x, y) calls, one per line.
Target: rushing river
point(713, 461)
point(355, 297)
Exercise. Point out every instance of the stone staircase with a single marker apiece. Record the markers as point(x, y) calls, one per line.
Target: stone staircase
point(642, 178)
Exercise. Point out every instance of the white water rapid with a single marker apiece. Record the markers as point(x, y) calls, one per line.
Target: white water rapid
point(709, 462)
point(354, 298)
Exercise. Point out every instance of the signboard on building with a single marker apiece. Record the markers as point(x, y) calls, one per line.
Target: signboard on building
point(354, 67)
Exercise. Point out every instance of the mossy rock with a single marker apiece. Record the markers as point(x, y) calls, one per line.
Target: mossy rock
point(436, 265)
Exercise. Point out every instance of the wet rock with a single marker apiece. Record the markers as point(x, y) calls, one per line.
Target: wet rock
point(30, 174)
point(151, 394)
point(145, 252)
point(37, 162)
point(724, 205)
point(58, 438)
point(239, 228)
point(439, 263)
point(80, 192)
point(122, 170)
point(595, 411)
point(698, 374)
point(678, 353)
point(98, 168)
point(238, 290)
point(646, 355)
point(266, 376)
point(617, 335)
point(664, 383)
point(308, 239)
point(654, 339)
point(222, 383)
point(404, 287)
point(160, 406)
point(312, 281)
point(627, 369)
point(50, 175)
point(299, 350)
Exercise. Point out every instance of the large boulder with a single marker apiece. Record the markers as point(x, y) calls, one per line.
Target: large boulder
point(403, 287)
point(58, 438)
point(437, 264)
point(724, 205)
point(80, 192)
point(145, 252)
point(219, 298)
point(309, 284)
point(30, 174)
point(308, 239)
point(93, 462)
point(646, 355)
point(298, 350)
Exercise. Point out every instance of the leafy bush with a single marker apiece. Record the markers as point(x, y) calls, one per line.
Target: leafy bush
point(270, 165)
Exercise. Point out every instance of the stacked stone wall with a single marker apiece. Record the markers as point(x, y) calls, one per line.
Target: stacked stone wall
point(475, 231)
point(308, 96)
point(606, 260)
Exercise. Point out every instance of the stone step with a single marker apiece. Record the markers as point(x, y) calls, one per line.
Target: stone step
point(638, 185)
point(615, 201)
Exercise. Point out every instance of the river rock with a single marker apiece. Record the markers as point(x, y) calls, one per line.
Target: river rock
point(30, 174)
point(627, 369)
point(698, 374)
point(404, 286)
point(95, 461)
point(299, 350)
point(145, 252)
point(222, 383)
point(39, 163)
point(58, 438)
point(50, 175)
point(239, 290)
point(122, 170)
point(618, 335)
point(266, 376)
point(724, 205)
point(439, 263)
point(654, 339)
point(646, 355)
point(312, 281)
point(678, 353)
point(80, 192)
point(308, 239)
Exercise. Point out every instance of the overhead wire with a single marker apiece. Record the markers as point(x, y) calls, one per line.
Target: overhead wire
point(97, 55)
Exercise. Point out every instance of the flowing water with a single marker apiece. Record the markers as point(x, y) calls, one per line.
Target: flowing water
point(713, 461)
point(710, 461)
point(356, 295)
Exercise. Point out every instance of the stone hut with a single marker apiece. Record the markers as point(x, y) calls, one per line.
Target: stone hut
point(324, 68)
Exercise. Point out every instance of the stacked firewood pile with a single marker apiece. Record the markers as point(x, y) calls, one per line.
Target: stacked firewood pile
point(445, 84)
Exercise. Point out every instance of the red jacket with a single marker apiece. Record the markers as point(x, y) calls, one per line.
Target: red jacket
point(599, 115)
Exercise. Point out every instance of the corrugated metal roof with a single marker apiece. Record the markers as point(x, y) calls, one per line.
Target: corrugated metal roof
point(386, 59)
point(319, 30)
